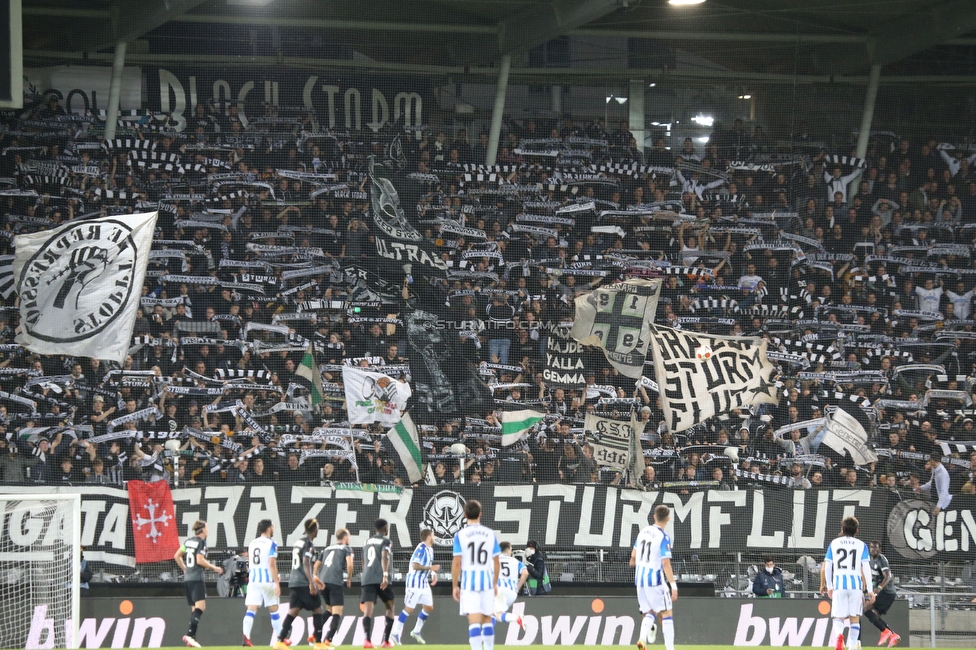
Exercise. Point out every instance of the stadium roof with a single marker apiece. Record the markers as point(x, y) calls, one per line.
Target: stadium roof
point(744, 37)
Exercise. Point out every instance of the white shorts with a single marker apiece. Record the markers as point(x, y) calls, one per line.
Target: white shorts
point(504, 600)
point(414, 597)
point(261, 594)
point(477, 602)
point(847, 602)
point(654, 599)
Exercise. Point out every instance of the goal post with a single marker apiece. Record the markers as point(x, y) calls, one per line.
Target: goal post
point(40, 570)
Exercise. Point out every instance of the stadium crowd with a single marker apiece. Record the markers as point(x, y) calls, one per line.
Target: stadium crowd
point(859, 272)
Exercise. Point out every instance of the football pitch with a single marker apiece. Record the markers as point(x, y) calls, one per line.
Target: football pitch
point(530, 647)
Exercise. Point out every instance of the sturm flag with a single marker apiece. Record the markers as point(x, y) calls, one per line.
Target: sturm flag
point(374, 397)
point(80, 284)
point(406, 441)
point(310, 371)
point(734, 373)
point(846, 435)
point(153, 521)
point(516, 422)
point(618, 319)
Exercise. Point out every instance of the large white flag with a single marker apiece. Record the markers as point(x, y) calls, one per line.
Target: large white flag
point(701, 376)
point(846, 435)
point(618, 319)
point(374, 397)
point(80, 285)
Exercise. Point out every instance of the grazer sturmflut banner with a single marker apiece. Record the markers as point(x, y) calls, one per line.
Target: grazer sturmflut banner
point(563, 516)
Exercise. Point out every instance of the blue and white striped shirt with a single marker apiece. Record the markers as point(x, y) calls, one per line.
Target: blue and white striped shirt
point(477, 546)
point(653, 546)
point(424, 556)
point(510, 570)
point(846, 563)
point(259, 552)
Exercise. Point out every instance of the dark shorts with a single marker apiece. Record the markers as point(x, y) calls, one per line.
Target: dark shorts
point(372, 592)
point(883, 601)
point(299, 597)
point(196, 590)
point(333, 596)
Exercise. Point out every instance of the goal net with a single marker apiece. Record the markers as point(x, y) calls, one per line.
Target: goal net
point(40, 570)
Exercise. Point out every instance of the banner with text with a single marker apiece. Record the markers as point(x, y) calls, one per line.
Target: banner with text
point(563, 517)
point(564, 621)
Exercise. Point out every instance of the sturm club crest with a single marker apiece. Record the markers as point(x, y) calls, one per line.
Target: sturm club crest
point(444, 514)
point(67, 278)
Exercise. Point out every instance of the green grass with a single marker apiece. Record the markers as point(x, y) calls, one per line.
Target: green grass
point(530, 647)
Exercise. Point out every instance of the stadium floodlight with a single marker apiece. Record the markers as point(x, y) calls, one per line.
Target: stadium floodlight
point(682, 3)
point(703, 120)
point(703, 139)
point(40, 570)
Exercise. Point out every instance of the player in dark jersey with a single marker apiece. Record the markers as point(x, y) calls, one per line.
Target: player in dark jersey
point(303, 594)
point(333, 562)
point(192, 559)
point(881, 578)
point(375, 580)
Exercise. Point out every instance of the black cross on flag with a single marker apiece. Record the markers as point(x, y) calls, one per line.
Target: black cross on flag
point(617, 319)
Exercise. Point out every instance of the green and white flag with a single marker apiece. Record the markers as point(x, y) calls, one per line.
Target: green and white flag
point(310, 371)
point(406, 441)
point(516, 422)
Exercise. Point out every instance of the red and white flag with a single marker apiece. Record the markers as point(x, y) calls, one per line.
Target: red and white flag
point(153, 521)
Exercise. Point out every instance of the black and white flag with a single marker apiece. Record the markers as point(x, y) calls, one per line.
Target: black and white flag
point(701, 376)
point(846, 435)
point(612, 440)
point(618, 319)
point(80, 285)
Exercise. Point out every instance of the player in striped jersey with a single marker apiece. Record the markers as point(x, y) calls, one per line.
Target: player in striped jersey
point(846, 579)
point(421, 577)
point(512, 575)
point(654, 578)
point(474, 576)
point(263, 583)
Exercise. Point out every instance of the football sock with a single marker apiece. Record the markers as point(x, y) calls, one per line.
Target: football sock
point(876, 620)
point(276, 623)
point(645, 628)
point(836, 630)
point(474, 636)
point(488, 636)
point(195, 617)
point(368, 627)
point(421, 619)
point(505, 617)
point(667, 627)
point(853, 635)
point(388, 628)
point(286, 627)
point(317, 622)
point(333, 626)
point(399, 622)
point(248, 623)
